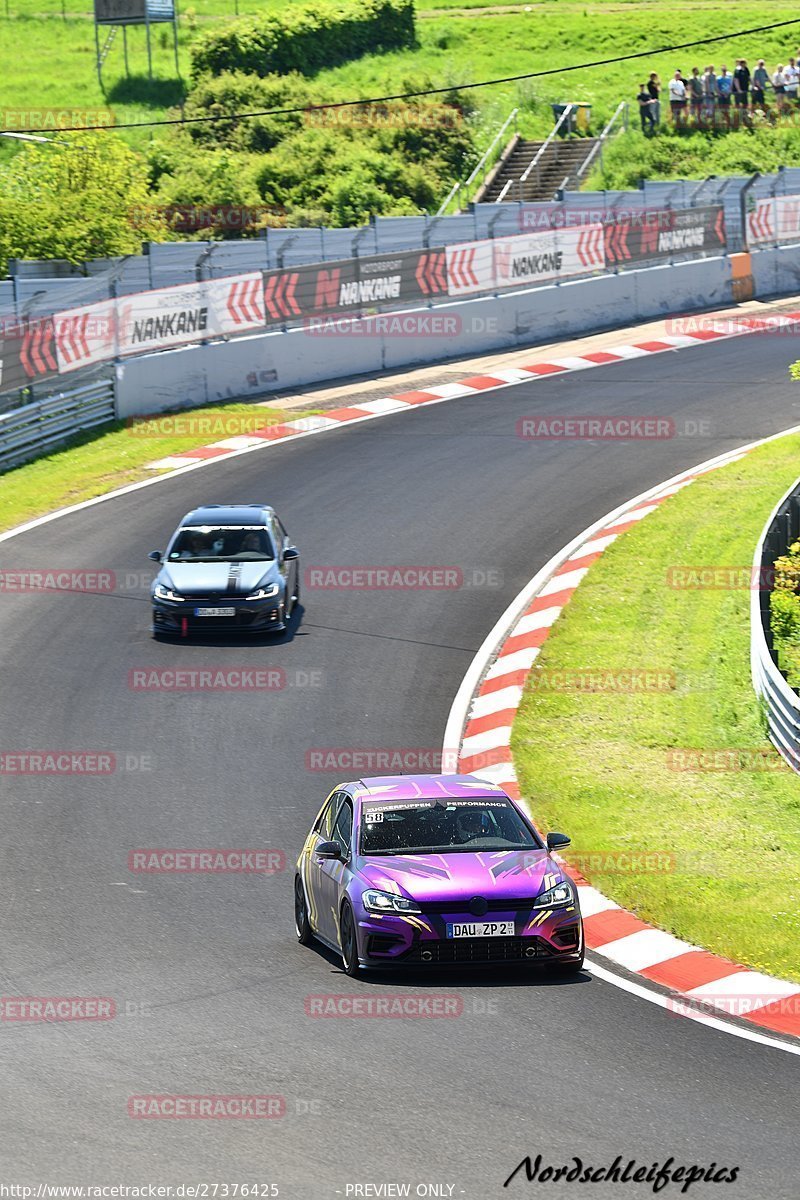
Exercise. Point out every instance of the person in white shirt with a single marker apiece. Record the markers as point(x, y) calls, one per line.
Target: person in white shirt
point(791, 76)
point(677, 99)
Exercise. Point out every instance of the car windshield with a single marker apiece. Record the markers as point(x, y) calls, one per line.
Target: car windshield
point(222, 543)
point(443, 827)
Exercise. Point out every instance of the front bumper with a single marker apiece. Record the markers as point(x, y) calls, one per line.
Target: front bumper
point(387, 940)
point(250, 616)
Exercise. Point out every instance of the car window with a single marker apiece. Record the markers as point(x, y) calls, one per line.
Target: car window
point(282, 535)
point(324, 823)
point(343, 829)
point(224, 543)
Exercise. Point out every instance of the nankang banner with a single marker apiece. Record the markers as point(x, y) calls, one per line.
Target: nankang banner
point(524, 259)
point(358, 285)
point(774, 220)
point(27, 352)
point(658, 233)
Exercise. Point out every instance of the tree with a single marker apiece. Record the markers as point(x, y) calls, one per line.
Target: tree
point(87, 198)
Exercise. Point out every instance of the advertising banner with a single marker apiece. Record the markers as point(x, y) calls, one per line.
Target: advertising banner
point(659, 233)
point(774, 220)
point(27, 352)
point(549, 255)
point(354, 285)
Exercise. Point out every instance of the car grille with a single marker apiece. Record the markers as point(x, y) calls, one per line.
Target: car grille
point(461, 906)
point(478, 950)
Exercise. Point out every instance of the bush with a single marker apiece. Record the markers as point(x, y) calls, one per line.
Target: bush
point(306, 38)
point(88, 199)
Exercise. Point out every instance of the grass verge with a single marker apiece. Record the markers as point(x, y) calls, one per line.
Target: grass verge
point(100, 461)
point(603, 765)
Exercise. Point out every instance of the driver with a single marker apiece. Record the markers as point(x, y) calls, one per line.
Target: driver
point(469, 825)
point(195, 546)
point(252, 541)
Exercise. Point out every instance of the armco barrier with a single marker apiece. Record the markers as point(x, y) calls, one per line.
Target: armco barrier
point(267, 362)
point(34, 428)
point(781, 703)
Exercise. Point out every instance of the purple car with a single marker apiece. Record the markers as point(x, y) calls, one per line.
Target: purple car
point(434, 870)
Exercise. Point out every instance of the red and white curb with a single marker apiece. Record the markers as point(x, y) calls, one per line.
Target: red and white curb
point(480, 727)
point(733, 327)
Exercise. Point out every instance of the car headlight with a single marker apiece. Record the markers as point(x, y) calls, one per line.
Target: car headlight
point(383, 902)
point(264, 593)
point(164, 593)
point(556, 897)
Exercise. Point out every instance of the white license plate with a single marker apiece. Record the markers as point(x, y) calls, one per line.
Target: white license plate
point(215, 612)
point(473, 929)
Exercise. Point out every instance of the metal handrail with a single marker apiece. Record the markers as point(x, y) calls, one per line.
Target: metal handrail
point(621, 109)
point(535, 161)
point(481, 164)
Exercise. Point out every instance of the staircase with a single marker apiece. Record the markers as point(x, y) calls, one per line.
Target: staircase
point(561, 158)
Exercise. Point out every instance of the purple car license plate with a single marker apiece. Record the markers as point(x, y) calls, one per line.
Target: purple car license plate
point(473, 929)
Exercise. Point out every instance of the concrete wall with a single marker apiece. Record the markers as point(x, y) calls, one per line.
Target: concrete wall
point(255, 366)
point(776, 272)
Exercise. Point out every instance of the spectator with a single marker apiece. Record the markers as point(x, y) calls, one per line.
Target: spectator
point(677, 99)
point(779, 87)
point(791, 76)
point(741, 83)
point(724, 89)
point(646, 110)
point(760, 84)
point(696, 94)
point(710, 92)
point(654, 88)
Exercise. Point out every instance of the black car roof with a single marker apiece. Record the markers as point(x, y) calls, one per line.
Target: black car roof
point(229, 514)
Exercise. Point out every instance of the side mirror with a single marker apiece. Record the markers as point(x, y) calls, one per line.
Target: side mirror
point(328, 850)
point(557, 841)
point(155, 556)
point(290, 552)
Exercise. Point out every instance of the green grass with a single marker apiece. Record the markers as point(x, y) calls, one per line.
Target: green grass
point(48, 61)
point(597, 765)
point(98, 462)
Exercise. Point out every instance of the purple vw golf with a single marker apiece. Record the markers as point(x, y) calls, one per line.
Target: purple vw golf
point(434, 870)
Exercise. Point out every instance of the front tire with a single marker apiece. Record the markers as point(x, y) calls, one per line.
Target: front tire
point(302, 925)
point(348, 941)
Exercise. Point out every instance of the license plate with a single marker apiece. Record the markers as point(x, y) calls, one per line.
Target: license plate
point(473, 929)
point(215, 612)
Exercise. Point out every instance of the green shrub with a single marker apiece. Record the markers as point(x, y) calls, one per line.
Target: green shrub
point(88, 199)
point(306, 38)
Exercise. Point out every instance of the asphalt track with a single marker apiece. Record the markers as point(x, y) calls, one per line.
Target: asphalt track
point(208, 981)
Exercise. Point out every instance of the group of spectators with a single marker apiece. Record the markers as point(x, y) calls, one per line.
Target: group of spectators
point(726, 99)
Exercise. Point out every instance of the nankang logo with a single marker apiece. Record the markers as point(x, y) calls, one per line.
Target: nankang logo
point(185, 320)
point(386, 287)
point(536, 264)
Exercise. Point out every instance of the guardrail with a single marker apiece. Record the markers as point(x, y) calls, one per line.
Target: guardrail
point(781, 703)
point(463, 190)
point(28, 431)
